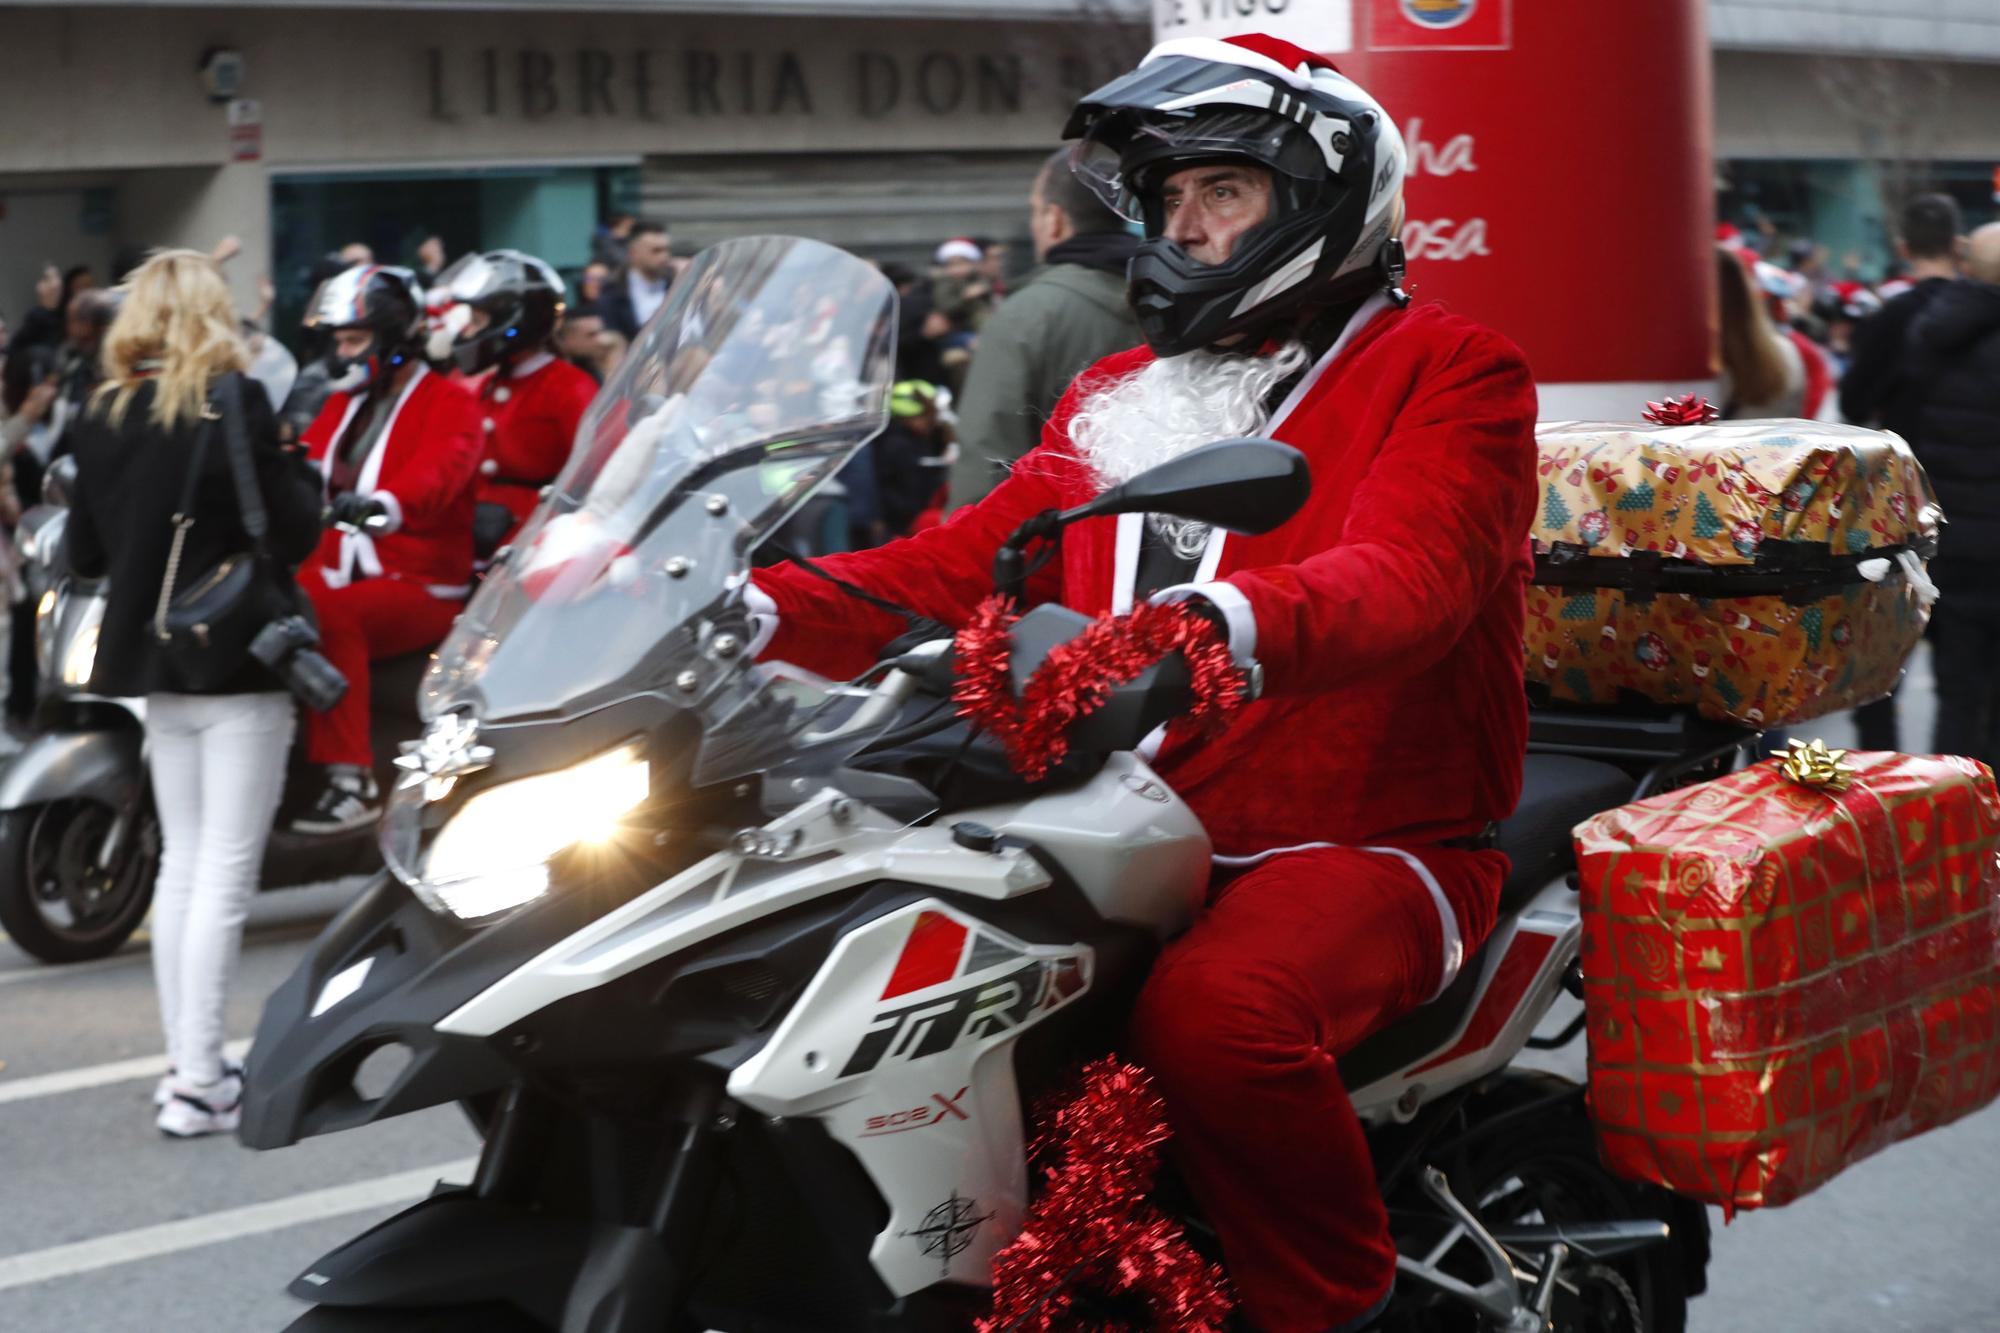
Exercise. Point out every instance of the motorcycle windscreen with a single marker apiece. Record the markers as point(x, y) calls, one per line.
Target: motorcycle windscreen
point(768, 366)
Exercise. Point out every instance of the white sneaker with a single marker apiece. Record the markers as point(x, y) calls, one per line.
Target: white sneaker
point(164, 1089)
point(193, 1110)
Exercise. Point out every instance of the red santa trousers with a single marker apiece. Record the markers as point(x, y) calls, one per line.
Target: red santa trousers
point(364, 622)
point(1295, 961)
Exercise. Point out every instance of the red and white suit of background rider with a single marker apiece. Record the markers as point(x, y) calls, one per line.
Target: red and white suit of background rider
point(528, 418)
point(397, 592)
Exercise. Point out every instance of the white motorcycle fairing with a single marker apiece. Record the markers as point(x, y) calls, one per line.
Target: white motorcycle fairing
point(916, 1077)
point(917, 1080)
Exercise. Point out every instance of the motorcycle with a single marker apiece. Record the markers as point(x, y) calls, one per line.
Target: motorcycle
point(79, 835)
point(747, 977)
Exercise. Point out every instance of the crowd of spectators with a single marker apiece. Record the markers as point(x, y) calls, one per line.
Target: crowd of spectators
point(1918, 354)
point(984, 355)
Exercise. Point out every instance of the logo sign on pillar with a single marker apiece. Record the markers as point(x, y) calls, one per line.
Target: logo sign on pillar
point(1326, 26)
point(1439, 25)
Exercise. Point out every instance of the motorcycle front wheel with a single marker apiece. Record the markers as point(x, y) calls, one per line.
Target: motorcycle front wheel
point(56, 902)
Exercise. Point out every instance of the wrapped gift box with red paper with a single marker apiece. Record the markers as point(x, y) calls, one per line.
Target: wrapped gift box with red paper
point(1789, 968)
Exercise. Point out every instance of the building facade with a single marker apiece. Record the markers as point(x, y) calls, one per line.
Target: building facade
point(885, 128)
point(1829, 112)
point(882, 126)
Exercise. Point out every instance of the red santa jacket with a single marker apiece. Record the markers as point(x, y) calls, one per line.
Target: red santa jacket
point(1387, 614)
point(528, 422)
point(422, 468)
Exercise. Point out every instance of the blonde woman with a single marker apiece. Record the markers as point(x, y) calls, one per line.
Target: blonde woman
point(217, 759)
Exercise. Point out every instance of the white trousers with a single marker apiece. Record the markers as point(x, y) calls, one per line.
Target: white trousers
point(218, 764)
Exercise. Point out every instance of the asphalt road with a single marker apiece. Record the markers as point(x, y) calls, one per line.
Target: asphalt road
point(105, 1227)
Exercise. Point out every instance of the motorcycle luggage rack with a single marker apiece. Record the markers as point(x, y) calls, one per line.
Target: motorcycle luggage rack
point(1670, 743)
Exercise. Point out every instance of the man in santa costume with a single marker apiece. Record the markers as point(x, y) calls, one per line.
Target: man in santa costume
point(1351, 805)
point(532, 400)
point(399, 447)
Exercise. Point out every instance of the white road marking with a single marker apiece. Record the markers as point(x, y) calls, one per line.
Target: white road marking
point(97, 1076)
point(124, 1247)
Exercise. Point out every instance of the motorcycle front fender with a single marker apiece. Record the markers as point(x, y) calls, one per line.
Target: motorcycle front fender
point(107, 765)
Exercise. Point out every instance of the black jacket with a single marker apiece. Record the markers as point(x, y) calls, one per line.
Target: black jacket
point(129, 480)
point(1955, 429)
point(614, 303)
point(1881, 386)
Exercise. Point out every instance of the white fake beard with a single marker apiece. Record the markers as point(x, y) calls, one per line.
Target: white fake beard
point(1175, 404)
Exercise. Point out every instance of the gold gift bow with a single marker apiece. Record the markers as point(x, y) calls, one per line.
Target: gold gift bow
point(1811, 764)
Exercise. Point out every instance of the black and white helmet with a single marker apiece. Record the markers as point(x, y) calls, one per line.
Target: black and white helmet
point(386, 301)
point(1336, 160)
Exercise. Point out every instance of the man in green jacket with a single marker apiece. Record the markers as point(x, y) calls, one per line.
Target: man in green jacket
point(1070, 314)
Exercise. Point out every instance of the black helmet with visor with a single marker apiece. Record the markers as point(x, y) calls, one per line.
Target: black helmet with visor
point(521, 296)
point(1335, 159)
point(386, 301)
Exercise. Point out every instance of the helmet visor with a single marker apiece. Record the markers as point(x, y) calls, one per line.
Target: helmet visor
point(1125, 157)
point(387, 300)
point(477, 278)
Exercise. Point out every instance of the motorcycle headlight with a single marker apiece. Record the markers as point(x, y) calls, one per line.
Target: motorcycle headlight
point(493, 855)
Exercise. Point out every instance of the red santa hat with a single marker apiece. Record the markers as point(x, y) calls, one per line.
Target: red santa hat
point(1254, 50)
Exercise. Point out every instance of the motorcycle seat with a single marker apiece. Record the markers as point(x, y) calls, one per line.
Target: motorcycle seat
point(1558, 792)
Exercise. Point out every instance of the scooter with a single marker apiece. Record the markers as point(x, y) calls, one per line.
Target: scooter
point(747, 978)
point(79, 835)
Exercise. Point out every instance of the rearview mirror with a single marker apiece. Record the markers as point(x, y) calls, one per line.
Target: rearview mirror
point(1249, 485)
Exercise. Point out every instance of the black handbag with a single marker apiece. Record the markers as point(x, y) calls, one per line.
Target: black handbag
point(204, 628)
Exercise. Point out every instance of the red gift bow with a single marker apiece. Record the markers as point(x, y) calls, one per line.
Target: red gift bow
point(1688, 410)
point(1078, 676)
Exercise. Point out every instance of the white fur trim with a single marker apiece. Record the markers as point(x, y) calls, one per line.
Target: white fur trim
point(1225, 53)
point(357, 548)
point(389, 502)
point(763, 617)
point(1125, 561)
point(1454, 943)
point(1356, 322)
point(1235, 607)
point(530, 365)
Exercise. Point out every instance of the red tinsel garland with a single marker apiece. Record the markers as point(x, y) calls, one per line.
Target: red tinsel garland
point(1092, 1231)
point(1078, 676)
point(1690, 409)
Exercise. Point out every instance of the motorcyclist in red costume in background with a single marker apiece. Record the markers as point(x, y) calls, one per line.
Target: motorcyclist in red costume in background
point(532, 399)
point(1350, 806)
point(399, 448)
